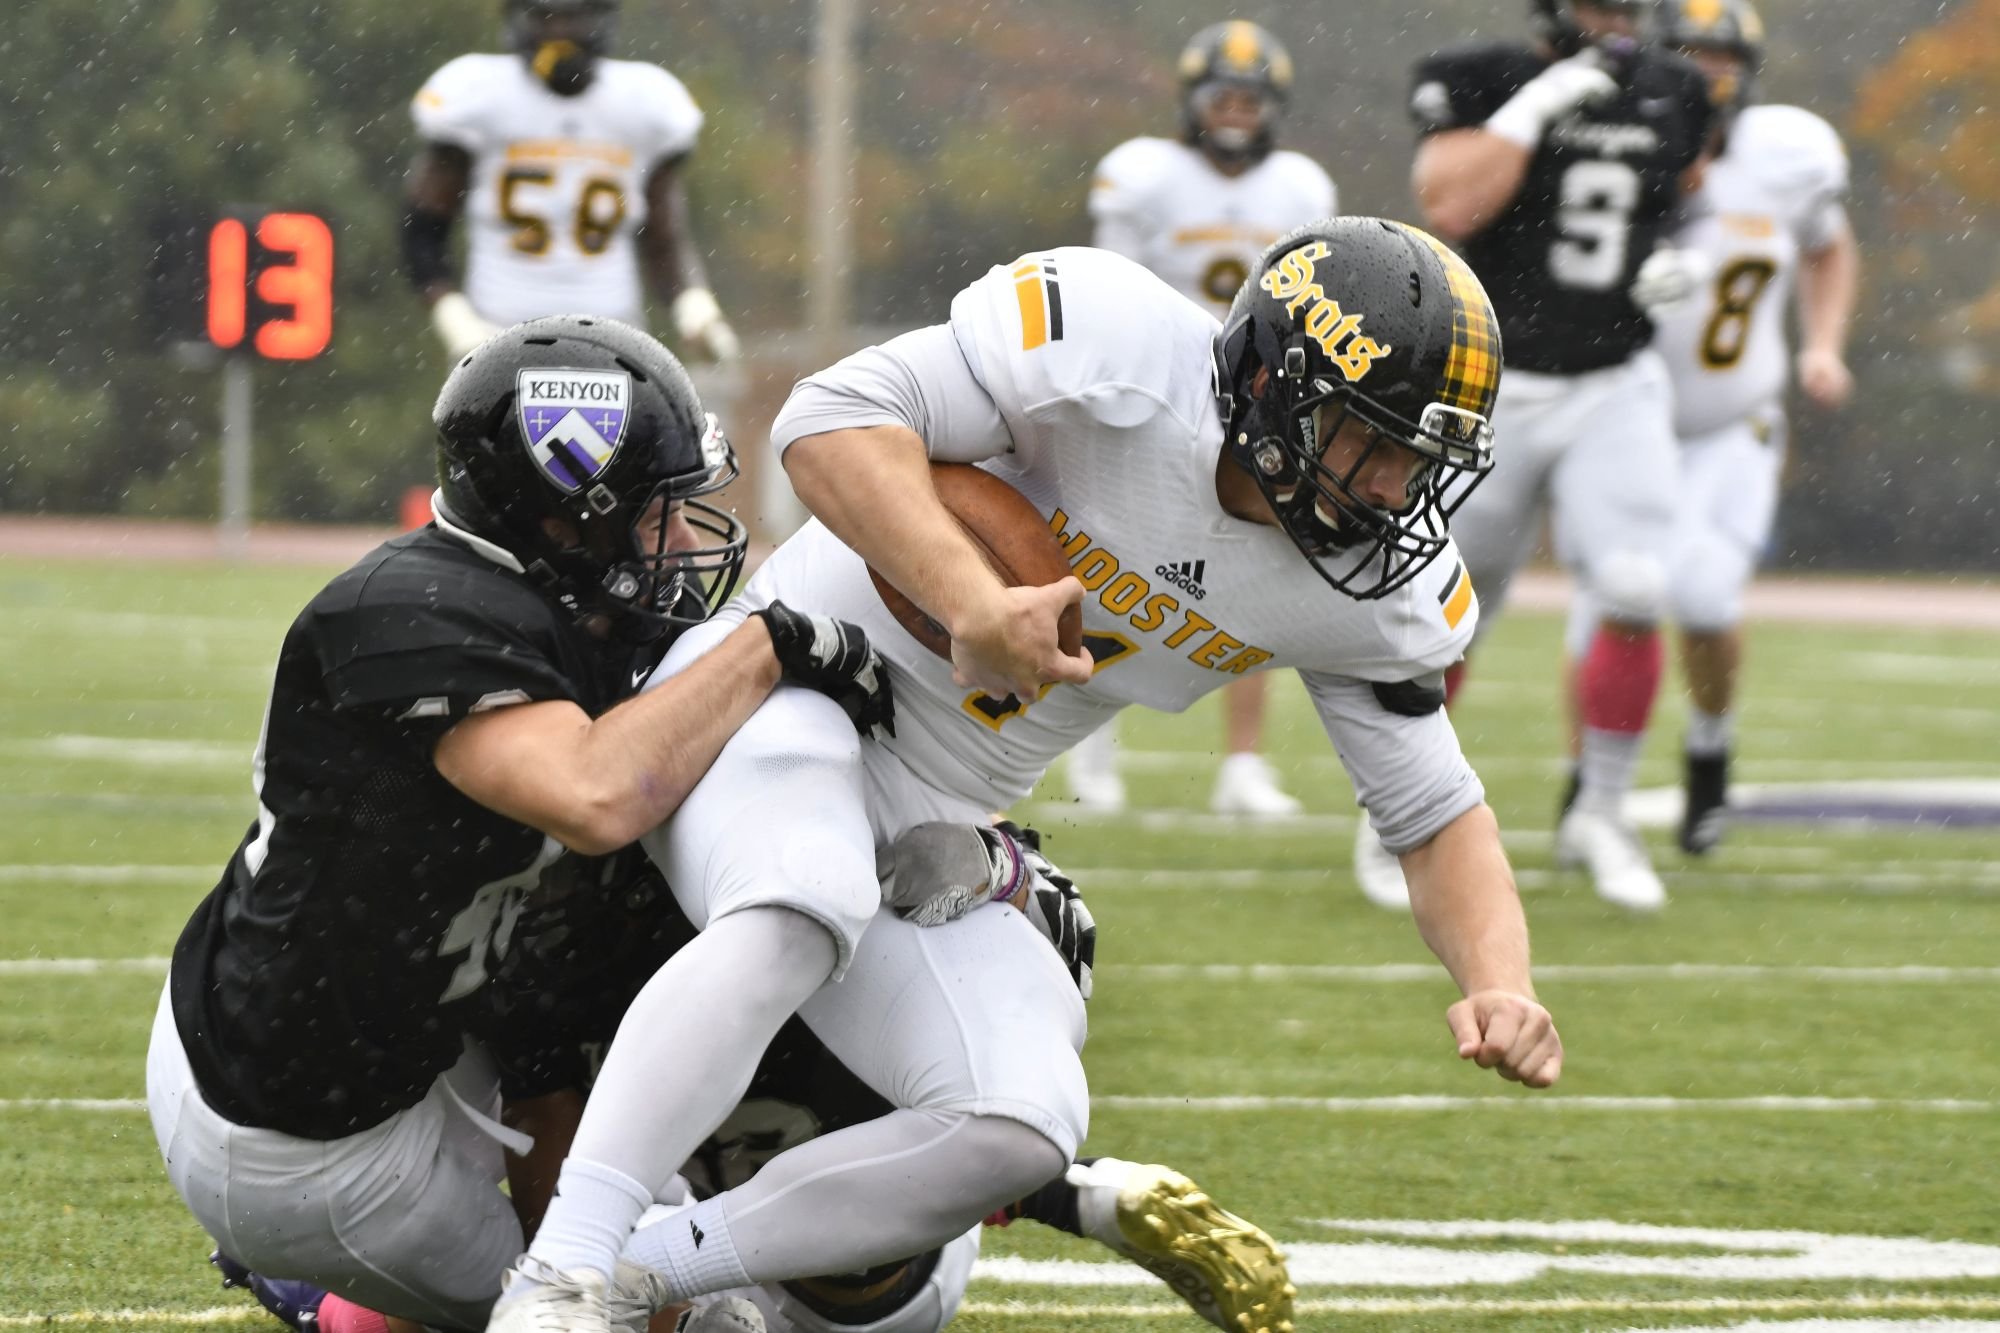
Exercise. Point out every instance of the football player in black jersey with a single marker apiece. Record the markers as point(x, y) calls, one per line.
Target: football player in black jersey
point(1555, 165)
point(445, 741)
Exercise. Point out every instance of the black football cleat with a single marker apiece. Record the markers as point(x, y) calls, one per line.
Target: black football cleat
point(1706, 814)
point(294, 1303)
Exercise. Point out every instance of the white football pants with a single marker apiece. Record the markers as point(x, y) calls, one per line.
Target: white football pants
point(1595, 453)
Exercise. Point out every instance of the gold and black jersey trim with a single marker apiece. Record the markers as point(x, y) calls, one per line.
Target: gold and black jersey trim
point(1455, 598)
point(1040, 298)
point(1472, 368)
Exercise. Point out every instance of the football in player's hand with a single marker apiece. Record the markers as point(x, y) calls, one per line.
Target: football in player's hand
point(1009, 532)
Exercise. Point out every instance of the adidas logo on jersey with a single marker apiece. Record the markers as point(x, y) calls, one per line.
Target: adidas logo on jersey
point(1185, 575)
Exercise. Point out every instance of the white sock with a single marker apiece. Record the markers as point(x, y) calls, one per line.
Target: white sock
point(1709, 734)
point(681, 1061)
point(1606, 767)
point(692, 1247)
point(600, 1205)
point(869, 1194)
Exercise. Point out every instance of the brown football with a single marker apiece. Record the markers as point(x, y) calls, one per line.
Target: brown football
point(1014, 538)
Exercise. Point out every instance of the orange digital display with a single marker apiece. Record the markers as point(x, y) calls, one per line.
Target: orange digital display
point(305, 284)
point(270, 280)
point(228, 270)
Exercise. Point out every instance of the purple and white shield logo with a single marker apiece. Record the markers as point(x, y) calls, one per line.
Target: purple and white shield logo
point(574, 420)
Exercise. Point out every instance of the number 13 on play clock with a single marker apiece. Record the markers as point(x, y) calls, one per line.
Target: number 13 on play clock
point(270, 284)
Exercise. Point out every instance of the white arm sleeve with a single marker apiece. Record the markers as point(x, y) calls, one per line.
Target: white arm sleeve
point(1408, 772)
point(919, 380)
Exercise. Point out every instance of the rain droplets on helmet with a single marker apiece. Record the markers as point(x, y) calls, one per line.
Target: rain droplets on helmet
point(1375, 324)
point(591, 422)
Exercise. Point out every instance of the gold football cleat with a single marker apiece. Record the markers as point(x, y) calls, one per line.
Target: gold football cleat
point(1229, 1270)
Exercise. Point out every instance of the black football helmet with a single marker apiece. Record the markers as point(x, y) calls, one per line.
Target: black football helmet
point(589, 420)
point(1730, 26)
point(1375, 320)
point(1554, 21)
point(1241, 55)
point(561, 39)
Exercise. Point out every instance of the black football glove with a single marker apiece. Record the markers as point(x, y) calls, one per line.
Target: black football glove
point(1056, 907)
point(836, 659)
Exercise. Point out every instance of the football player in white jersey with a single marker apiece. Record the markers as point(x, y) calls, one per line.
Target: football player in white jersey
point(567, 168)
point(1768, 219)
point(1310, 451)
point(1198, 211)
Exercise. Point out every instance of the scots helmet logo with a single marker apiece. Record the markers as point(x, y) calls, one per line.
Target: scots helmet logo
point(1294, 281)
point(573, 420)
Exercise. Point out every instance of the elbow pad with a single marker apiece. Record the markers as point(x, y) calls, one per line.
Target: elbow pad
point(426, 248)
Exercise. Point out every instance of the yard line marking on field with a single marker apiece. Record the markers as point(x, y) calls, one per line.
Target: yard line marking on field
point(1977, 879)
point(1424, 1103)
point(1412, 1103)
point(146, 752)
point(1363, 973)
point(1429, 972)
point(221, 1314)
point(1554, 1306)
point(76, 967)
point(114, 1104)
point(1177, 820)
point(108, 874)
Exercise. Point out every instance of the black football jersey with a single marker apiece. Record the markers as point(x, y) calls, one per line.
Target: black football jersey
point(1601, 188)
point(325, 983)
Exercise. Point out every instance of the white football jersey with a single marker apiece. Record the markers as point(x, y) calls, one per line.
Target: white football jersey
point(558, 183)
point(1164, 204)
point(1774, 194)
point(1107, 422)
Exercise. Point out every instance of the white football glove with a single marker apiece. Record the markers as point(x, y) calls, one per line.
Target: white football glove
point(698, 321)
point(1670, 278)
point(1551, 95)
point(459, 327)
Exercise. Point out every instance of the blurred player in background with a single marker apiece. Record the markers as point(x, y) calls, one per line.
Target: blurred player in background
point(567, 168)
point(1769, 215)
point(1555, 165)
point(1199, 211)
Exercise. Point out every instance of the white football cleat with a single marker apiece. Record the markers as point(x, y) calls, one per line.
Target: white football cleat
point(721, 1314)
point(555, 1301)
point(1610, 850)
point(1228, 1270)
point(1379, 871)
point(1092, 770)
point(1246, 785)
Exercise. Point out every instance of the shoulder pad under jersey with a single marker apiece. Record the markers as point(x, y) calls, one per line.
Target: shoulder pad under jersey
point(455, 104)
point(1089, 328)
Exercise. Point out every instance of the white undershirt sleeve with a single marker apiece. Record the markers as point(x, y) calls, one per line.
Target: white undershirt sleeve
point(1408, 772)
point(920, 380)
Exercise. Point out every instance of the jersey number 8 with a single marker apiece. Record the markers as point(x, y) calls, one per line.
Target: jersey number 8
point(600, 211)
point(1737, 289)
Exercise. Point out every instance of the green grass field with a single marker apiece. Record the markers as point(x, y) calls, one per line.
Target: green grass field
point(1803, 1043)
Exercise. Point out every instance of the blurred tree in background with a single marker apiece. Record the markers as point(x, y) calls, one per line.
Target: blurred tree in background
point(978, 126)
